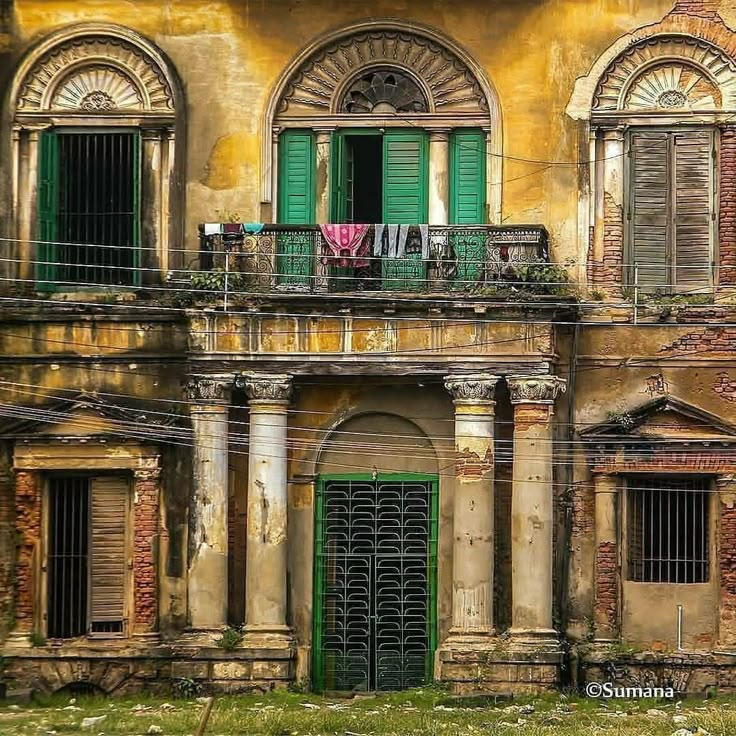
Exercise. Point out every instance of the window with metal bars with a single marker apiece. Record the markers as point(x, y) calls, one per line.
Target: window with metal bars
point(86, 556)
point(89, 210)
point(668, 529)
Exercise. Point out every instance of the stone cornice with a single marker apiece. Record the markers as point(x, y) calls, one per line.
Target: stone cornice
point(535, 389)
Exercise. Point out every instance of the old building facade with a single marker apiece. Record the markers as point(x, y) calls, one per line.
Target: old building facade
point(486, 438)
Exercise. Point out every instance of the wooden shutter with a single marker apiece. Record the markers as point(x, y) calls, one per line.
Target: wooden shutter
point(297, 193)
point(48, 203)
point(108, 553)
point(694, 209)
point(650, 209)
point(405, 186)
point(468, 202)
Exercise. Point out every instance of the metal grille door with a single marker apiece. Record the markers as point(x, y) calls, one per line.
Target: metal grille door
point(375, 576)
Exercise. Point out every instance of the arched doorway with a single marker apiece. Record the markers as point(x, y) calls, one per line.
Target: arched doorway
point(375, 603)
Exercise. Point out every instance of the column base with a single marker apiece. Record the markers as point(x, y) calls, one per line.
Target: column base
point(18, 640)
point(534, 640)
point(199, 637)
point(475, 638)
point(146, 638)
point(268, 636)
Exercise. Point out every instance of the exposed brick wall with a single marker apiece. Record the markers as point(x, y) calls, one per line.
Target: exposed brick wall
point(583, 512)
point(529, 415)
point(727, 222)
point(727, 572)
point(7, 554)
point(610, 272)
point(145, 547)
point(705, 340)
point(28, 528)
point(471, 466)
point(606, 586)
point(702, 8)
point(725, 387)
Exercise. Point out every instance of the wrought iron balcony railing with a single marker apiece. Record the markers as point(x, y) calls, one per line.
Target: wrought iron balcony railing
point(293, 258)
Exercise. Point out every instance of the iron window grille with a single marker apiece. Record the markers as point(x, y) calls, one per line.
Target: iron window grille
point(668, 530)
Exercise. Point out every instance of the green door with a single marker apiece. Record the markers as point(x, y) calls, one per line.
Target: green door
point(405, 201)
point(468, 204)
point(297, 206)
point(375, 618)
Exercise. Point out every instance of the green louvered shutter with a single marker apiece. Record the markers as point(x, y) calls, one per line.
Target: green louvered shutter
point(297, 162)
point(405, 185)
point(694, 216)
point(650, 211)
point(48, 206)
point(468, 202)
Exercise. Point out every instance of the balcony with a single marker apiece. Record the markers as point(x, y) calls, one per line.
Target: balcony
point(477, 260)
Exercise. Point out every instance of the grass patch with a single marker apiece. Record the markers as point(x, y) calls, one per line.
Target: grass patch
point(423, 712)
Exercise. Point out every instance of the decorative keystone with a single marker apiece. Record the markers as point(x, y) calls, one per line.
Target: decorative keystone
point(266, 387)
point(536, 389)
point(472, 388)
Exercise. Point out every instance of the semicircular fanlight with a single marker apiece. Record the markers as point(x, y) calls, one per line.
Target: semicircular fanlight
point(672, 86)
point(383, 91)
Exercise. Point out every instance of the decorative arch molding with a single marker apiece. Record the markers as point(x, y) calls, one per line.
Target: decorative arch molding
point(706, 48)
point(98, 74)
point(311, 90)
point(95, 67)
point(669, 72)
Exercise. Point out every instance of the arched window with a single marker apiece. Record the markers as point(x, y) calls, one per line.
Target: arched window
point(657, 122)
point(94, 110)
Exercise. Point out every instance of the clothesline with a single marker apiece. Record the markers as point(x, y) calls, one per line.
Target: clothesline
point(347, 244)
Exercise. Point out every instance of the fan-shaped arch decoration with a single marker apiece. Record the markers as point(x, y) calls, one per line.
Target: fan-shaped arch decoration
point(672, 86)
point(317, 86)
point(668, 73)
point(383, 91)
point(95, 74)
point(97, 88)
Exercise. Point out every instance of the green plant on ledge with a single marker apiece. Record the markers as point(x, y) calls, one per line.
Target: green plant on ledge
point(37, 639)
point(621, 420)
point(214, 281)
point(231, 638)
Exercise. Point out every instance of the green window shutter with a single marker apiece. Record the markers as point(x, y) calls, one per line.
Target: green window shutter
point(296, 205)
point(693, 220)
point(468, 202)
point(108, 554)
point(649, 210)
point(468, 177)
point(48, 210)
point(405, 189)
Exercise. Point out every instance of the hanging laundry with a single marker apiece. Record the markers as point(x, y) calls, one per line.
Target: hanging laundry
point(378, 230)
point(252, 228)
point(343, 245)
point(397, 235)
point(212, 228)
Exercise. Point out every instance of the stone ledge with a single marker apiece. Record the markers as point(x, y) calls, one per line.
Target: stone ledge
point(495, 657)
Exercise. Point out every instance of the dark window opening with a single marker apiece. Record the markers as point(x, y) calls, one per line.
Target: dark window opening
point(668, 530)
point(97, 221)
point(367, 177)
point(68, 558)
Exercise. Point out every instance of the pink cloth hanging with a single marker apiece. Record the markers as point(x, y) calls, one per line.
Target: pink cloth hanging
point(344, 245)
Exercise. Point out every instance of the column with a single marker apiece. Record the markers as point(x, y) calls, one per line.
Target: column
point(613, 206)
point(151, 223)
point(726, 498)
point(27, 562)
point(531, 509)
point(439, 165)
point(324, 143)
point(28, 231)
point(207, 579)
point(473, 552)
point(265, 583)
point(146, 536)
point(606, 584)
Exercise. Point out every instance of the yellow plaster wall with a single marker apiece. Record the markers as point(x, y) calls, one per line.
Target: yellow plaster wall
point(229, 54)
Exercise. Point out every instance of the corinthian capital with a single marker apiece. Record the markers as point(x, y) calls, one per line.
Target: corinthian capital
point(266, 387)
point(214, 388)
point(475, 387)
point(535, 389)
